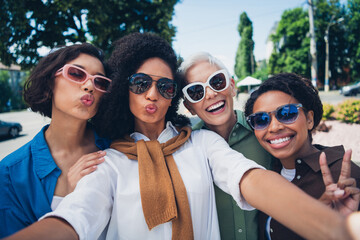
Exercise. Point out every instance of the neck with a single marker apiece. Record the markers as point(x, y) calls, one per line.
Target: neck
point(306, 150)
point(66, 135)
point(150, 130)
point(224, 130)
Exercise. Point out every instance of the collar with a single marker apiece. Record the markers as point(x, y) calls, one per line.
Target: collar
point(240, 119)
point(44, 163)
point(333, 154)
point(168, 133)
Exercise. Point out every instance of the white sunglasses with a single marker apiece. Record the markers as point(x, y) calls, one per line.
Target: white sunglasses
point(218, 81)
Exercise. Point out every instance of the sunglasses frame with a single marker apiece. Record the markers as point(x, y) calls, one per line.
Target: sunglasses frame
point(206, 84)
point(152, 80)
point(297, 105)
point(64, 72)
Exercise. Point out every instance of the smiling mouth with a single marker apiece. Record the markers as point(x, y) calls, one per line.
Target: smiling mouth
point(216, 107)
point(279, 140)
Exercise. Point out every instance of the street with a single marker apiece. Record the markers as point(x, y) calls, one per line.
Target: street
point(33, 122)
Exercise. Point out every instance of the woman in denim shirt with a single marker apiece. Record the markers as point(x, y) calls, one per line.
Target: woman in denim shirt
point(66, 86)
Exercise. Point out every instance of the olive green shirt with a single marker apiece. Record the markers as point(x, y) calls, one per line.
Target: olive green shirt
point(235, 223)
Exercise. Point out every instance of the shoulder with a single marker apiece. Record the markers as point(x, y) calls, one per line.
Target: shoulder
point(20, 155)
point(241, 119)
point(24, 153)
point(199, 125)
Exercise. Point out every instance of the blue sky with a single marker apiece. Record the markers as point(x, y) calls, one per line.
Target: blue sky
point(211, 25)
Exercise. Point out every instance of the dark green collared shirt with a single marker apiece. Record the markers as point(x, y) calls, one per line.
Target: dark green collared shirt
point(235, 223)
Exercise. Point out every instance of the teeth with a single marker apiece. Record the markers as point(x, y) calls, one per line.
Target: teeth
point(280, 140)
point(215, 106)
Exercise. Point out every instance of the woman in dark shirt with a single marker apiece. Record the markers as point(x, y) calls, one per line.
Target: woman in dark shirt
point(283, 112)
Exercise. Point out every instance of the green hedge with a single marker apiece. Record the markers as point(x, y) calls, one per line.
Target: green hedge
point(347, 111)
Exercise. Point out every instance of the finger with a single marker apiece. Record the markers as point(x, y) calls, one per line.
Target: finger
point(346, 165)
point(91, 156)
point(354, 192)
point(326, 174)
point(348, 182)
point(88, 170)
point(79, 165)
point(92, 163)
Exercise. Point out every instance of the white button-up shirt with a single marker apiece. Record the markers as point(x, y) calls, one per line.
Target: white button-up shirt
point(109, 198)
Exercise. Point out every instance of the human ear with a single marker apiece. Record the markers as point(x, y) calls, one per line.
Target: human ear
point(188, 107)
point(233, 87)
point(310, 119)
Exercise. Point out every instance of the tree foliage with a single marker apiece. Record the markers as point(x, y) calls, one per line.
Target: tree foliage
point(353, 28)
point(291, 40)
point(4, 89)
point(292, 46)
point(244, 61)
point(27, 25)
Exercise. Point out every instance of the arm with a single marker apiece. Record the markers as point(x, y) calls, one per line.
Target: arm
point(272, 194)
point(54, 227)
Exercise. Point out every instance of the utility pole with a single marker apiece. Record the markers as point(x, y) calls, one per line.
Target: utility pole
point(312, 45)
point(326, 38)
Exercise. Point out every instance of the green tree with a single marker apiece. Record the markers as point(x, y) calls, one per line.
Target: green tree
point(244, 61)
point(4, 89)
point(28, 25)
point(353, 28)
point(327, 14)
point(291, 44)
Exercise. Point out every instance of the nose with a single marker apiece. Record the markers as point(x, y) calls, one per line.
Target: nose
point(152, 94)
point(274, 125)
point(88, 86)
point(209, 93)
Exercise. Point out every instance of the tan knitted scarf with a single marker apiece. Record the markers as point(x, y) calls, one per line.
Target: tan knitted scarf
point(163, 193)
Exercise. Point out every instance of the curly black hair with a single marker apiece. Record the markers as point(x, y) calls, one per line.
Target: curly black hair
point(296, 86)
point(38, 88)
point(114, 118)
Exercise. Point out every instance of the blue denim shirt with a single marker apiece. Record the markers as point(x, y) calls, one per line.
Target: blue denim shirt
point(28, 178)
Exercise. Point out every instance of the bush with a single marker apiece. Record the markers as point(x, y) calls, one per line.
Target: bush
point(328, 111)
point(349, 111)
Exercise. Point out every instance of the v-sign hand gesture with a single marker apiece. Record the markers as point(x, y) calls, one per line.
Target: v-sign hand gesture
point(343, 196)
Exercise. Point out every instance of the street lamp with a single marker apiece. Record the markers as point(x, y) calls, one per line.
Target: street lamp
point(326, 38)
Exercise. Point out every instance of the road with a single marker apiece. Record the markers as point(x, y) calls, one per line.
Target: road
point(33, 122)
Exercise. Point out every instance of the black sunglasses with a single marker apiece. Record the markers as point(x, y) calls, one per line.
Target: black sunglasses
point(285, 114)
point(141, 82)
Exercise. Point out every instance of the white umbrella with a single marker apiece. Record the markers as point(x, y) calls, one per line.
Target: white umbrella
point(248, 81)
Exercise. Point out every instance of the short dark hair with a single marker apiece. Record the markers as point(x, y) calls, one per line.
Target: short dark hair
point(296, 86)
point(38, 88)
point(114, 118)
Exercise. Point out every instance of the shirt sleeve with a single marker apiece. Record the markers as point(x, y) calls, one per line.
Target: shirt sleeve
point(88, 208)
point(227, 166)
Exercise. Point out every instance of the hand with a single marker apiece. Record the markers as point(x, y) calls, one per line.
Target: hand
point(343, 196)
point(353, 224)
point(85, 165)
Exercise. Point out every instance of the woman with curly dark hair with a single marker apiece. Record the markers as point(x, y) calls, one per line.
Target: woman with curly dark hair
point(283, 112)
point(66, 86)
point(157, 178)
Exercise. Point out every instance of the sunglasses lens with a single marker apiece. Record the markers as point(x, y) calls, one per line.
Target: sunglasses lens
point(101, 83)
point(167, 88)
point(139, 83)
point(218, 82)
point(196, 92)
point(76, 74)
point(287, 114)
point(259, 120)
